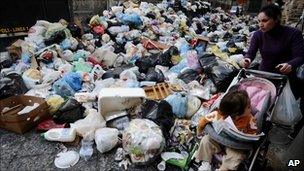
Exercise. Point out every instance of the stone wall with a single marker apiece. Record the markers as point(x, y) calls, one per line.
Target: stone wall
point(84, 8)
point(293, 10)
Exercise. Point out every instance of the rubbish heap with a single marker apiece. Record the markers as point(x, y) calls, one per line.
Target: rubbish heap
point(139, 76)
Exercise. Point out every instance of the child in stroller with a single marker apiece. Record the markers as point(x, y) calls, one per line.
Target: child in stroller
point(236, 104)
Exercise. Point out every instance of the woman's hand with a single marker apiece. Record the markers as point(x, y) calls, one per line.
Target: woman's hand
point(245, 62)
point(284, 68)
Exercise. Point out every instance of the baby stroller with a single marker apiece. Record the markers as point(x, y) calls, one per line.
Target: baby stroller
point(263, 89)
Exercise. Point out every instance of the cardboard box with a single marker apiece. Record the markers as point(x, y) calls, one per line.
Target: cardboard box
point(10, 120)
point(113, 101)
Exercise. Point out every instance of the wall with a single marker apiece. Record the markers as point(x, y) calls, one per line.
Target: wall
point(293, 10)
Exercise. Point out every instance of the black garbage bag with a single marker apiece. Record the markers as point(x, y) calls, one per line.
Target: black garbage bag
point(115, 72)
point(164, 59)
point(168, 20)
point(69, 112)
point(227, 36)
point(207, 59)
point(98, 43)
point(151, 15)
point(6, 63)
point(11, 85)
point(173, 50)
point(75, 30)
point(231, 44)
point(119, 48)
point(239, 38)
point(85, 25)
point(155, 75)
point(253, 28)
point(56, 38)
point(145, 63)
point(236, 29)
point(164, 118)
point(220, 72)
point(81, 46)
point(214, 38)
point(188, 75)
point(148, 109)
point(199, 29)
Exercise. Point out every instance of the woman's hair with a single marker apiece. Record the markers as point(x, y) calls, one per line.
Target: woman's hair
point(234, 103)
point(272, 11)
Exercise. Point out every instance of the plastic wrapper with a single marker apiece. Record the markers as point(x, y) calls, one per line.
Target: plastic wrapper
point(106, 139)
point(143, 140)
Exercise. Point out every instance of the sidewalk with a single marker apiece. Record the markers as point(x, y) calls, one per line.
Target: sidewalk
point(31, 152)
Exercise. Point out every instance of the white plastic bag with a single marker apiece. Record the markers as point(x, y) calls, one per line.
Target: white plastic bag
point(106, 139)
point(90, 123)
point(287, 109)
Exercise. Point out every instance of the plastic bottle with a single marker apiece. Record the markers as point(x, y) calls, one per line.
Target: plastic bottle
point(86, 150)
point(61, 134)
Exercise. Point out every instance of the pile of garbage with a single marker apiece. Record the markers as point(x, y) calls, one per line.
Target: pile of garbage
point(139, 76)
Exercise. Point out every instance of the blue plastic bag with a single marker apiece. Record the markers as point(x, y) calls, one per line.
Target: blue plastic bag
point(179, 103)
point(179, 67)
point(74, 80)
point(62, 88)
point(65, 44)
point(130, 19)
point(80, 54)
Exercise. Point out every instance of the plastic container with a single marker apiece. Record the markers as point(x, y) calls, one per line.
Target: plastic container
point(66, 159)
point(61, 134)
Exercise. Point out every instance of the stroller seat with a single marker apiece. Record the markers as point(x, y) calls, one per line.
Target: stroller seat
point(262, 94)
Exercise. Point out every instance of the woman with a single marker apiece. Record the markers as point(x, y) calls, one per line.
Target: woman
point(281, 48)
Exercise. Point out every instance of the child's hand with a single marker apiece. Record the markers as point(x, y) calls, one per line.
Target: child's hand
point(210, 117)
point(199, 131)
